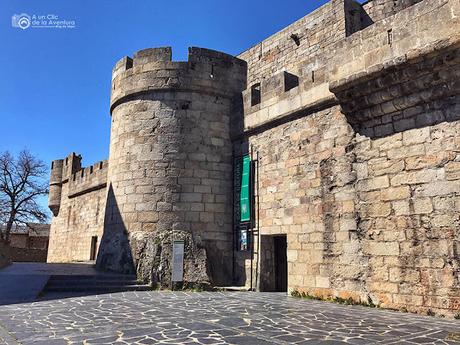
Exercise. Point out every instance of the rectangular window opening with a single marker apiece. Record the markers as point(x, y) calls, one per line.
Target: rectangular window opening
point(255, 94)
point(92, 255)
point(290, 81)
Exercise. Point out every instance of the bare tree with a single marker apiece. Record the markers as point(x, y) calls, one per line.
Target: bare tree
point(22, 181)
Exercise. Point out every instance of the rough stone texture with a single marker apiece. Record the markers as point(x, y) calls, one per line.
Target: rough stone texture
point(306, 190)
point(380, 9)
point(367, 192)
point(303, 53)
point(78, 201)
point(353, 113)
point(170, 164)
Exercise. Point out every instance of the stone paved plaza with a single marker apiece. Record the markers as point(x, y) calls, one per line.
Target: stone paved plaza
point(213, 318)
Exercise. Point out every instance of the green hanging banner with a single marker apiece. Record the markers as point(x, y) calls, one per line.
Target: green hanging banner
point(245, 196)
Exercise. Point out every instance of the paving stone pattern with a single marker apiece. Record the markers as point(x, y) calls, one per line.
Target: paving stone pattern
point(213, 318)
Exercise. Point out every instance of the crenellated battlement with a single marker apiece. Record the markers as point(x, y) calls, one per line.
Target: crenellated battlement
point(152, 69)
point(79, 179)
point(88, 179)
point(391, 46)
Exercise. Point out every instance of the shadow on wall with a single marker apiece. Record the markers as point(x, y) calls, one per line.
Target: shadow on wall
point(245, 265)
point(419, 116)
point(148, 254)
point(114, 251)
point(416, 94)
point(356, 17)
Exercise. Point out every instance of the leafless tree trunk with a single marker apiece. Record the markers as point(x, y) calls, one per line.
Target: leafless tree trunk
point(22, 181)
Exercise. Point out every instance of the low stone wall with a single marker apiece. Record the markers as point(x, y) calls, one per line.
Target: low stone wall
point(3, 261)
point(8, 254)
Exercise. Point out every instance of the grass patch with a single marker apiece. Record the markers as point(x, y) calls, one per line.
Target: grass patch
point(430, 312)
point(338, 300)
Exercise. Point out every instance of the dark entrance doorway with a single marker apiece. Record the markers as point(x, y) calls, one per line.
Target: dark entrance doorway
point(92, 255)
point(281, 267)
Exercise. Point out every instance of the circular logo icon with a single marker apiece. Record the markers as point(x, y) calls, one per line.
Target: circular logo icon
point(23, 21)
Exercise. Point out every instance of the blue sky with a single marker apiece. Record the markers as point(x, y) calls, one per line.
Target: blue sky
point(55, 83)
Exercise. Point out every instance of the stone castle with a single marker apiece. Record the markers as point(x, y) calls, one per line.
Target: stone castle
point(324, 160)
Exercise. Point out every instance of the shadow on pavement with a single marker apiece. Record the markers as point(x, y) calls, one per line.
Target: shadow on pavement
point(35, 282)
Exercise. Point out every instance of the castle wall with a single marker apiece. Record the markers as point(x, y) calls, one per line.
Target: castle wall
point(353, 115)
point(308, 51)
point(359, 168)
point(81, 212)
point(381, 9)
point(306, 191)
point(171, 163)
point(305, 52)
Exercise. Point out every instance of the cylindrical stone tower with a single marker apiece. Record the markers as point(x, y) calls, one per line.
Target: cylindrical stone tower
point(54, 198)
point(170, 165)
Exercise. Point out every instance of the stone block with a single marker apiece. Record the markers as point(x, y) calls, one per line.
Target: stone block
point(452, 171)
point(383, 287)
point(323, 282)
point(383, 166)
point(422, 206)
point(416, 136)
point(373, 183)
point(191, 197)
point(437, 188)
point(395, 193)
point(426, 161)
point(406, 151)
point(376, 209)
point(292, 255)
point(401, 207)
point(382, 248)
point(414, 177)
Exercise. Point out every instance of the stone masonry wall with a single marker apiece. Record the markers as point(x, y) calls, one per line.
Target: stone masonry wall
point(81, 214)
point(170, 182)
point(368, 191)
point(300, 54)
point(306, 190)
point(365, 218)
point(354, 114)
point(381, 9)
point(409, 201)
point(170, 165)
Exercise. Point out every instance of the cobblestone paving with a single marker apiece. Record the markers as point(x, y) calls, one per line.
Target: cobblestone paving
point(213, 318)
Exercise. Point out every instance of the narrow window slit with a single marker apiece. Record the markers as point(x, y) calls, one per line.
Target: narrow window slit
point(390, 37)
